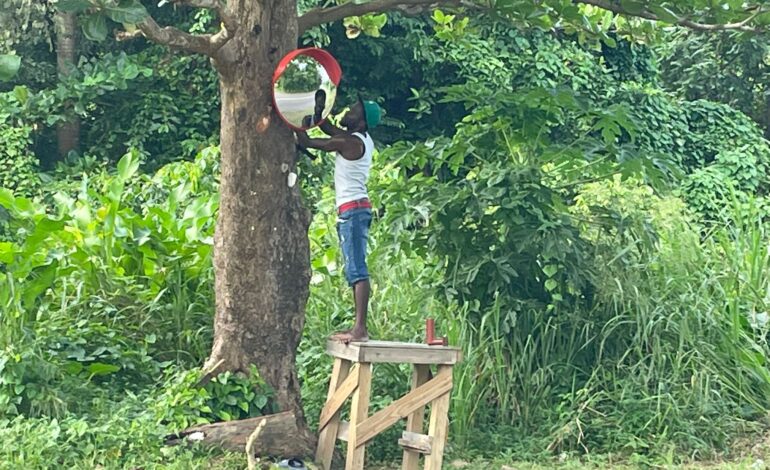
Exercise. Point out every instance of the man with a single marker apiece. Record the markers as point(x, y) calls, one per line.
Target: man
point(354, 148)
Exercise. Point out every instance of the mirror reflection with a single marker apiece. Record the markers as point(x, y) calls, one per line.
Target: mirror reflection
point(304, 93)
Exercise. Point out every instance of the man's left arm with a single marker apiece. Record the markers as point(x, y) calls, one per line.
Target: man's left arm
point(349, 147)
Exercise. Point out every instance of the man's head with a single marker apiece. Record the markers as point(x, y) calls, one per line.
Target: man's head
point(362, 116)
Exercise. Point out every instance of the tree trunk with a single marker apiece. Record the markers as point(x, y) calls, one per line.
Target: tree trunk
point(262, 254)
point(67, 133)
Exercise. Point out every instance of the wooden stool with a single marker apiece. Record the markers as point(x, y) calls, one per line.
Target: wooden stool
point(352, 376)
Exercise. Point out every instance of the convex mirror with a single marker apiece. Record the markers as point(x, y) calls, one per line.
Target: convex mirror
point(305, 87)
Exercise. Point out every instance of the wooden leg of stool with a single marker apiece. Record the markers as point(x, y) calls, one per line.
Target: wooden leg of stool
point(359, 411)
point(328, 435)
point(414, 421)
point(439, 424)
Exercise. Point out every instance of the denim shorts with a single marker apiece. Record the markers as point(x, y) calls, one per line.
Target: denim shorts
point(353, 231)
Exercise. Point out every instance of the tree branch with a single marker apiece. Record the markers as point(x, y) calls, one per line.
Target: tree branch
point(177, 39)
point(318, 16)
point(744, 25)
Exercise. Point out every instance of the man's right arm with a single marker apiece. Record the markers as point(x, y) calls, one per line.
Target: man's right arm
point(330, 129)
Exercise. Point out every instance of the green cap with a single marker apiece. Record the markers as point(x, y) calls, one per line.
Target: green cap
point(372, 113)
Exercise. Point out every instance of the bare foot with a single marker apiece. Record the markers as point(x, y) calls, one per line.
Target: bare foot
point(352, 336)
point(336, 335)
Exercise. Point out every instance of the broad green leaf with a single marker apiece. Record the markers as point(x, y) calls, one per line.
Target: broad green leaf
point(550, 285)
point(95, 27)
point(6, 198)
point(100, 368)
point(73, 367)
point(633, 7)
point(7, 252)
point(127, 166)
point(77, 6)
point(21, 93)
point(38, 285)
point(9, 66)
point(127, 11)
point(664, 14)
point(550, 270)
point(260, 401)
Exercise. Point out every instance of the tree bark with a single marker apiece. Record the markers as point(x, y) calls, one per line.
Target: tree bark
point(67, 133)
point(262, 254)
point(274, 435)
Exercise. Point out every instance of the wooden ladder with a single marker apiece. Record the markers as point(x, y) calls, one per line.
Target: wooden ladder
point(352, 378)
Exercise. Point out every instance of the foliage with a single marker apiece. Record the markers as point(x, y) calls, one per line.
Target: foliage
point(18, 166)
point(120, 436)
point(184, 403)
point(729, 68)
point(97, 249)
point(525, 203)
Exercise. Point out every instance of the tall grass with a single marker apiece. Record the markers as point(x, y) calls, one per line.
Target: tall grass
point(671, 357)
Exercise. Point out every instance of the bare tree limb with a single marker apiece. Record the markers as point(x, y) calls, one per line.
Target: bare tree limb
point(744, 25)
point(318, 16)
point(207, 44)
point(176, 38)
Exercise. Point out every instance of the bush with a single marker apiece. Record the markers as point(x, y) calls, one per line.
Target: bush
point(18, 166)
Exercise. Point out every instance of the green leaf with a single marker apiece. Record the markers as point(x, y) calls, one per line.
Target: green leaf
point(127, 11)
point(127, 166)
point(9, 66)
point(76, 6)
point(100, 368)
point(633, 7)
point(550, 270)
point(73, 368)
point(7, 198)
point(664, 14)
point(7, 252)
point(260, 401)
point(21, 93)
point(95, 27)
point(43, 279)
point(550, 285)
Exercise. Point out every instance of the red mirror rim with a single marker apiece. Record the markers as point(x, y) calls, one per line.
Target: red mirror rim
point(324, 58)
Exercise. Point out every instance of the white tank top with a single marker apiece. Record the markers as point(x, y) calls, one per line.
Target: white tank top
point(350, 176)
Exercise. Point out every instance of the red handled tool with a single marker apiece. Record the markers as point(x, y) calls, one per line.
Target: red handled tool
point(430, 332)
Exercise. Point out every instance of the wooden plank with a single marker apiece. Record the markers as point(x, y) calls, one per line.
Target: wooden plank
point(402, 407)
point(390, 351)
point(411, 459)
point(335, 402)
point(439, 423)
point(328, 435)
point(358, 414)
point(416, 443)
point(342, 433)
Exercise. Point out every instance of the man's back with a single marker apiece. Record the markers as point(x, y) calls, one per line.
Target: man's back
point(350, 176)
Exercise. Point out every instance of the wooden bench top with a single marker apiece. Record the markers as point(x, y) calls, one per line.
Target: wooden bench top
point(393, 351)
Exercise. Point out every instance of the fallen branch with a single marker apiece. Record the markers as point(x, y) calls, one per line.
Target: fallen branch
point(278, 436)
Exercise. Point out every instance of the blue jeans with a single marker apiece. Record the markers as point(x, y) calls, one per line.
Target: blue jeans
point(353, 231)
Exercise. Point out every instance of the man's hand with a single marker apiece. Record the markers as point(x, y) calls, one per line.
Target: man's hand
point(302, 139)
